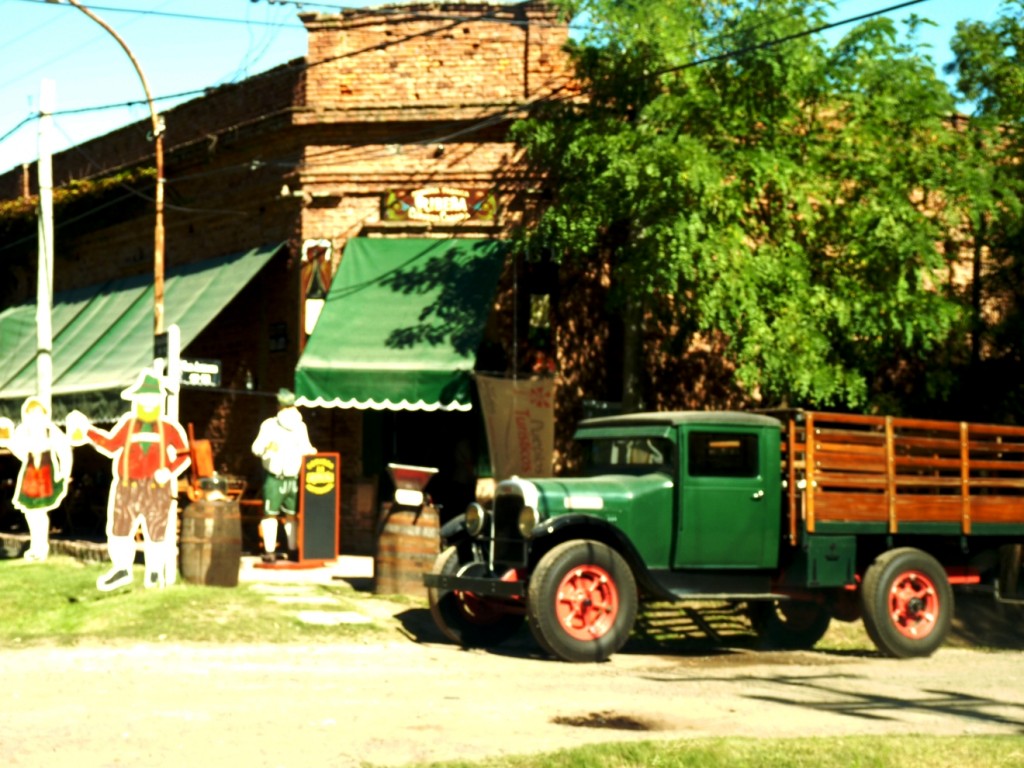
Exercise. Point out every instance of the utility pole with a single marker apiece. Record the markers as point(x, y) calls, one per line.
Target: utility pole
point(44, 280)
point(158, 140)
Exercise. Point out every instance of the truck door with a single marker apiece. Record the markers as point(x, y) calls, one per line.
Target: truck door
point(730, 496)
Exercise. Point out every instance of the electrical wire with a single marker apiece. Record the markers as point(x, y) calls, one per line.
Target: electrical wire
point(7, 245)
point(169, 14)
point(25, 121)
point(788, 38)
point(320, 62)
point(410, 12)
point(356, 153)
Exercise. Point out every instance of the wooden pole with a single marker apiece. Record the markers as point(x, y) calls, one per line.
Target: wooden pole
point(158, 139)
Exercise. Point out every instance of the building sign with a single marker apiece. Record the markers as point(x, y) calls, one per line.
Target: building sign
point(321, 473)
point(440, 205)
point(200, 373)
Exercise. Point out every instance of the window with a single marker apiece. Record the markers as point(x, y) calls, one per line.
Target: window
point(723, 454)
point(626, 455)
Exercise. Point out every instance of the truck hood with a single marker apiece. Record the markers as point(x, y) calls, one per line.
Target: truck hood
point(600, 496)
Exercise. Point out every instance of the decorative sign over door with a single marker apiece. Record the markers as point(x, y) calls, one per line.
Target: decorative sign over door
point(439, 205)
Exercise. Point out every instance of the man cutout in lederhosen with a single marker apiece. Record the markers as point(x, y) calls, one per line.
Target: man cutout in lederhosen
point(148, 452)
point(281, 443)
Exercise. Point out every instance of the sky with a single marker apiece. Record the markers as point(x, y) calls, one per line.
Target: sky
point(184, 46)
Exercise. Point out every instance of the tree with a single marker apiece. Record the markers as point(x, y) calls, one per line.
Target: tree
point(987, 196)
point(776, 197)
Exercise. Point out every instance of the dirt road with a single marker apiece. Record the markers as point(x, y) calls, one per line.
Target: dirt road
point(407, 700)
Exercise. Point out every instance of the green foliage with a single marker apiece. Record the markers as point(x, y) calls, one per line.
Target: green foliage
point(73, 199)
point(786, 191)
point(987, 211)
point(990, 62)
point(24, 209)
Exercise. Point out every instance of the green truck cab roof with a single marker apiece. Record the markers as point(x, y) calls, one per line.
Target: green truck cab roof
point(675, 418)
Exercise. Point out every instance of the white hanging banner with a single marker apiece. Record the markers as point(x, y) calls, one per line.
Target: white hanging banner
point(519, 416)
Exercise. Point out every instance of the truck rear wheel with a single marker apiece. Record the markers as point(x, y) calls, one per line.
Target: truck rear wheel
point(789, 625)
point(582, 601)
point(907, 603)
point(463, 617)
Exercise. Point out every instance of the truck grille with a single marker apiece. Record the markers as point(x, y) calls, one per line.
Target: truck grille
point(509, 547)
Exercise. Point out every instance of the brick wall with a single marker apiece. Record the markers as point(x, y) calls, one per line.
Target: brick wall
point(196, 131)
point(454, 56)
point(411, 97)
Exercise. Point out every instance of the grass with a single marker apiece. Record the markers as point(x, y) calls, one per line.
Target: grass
point(823, 752)
point(57, 602)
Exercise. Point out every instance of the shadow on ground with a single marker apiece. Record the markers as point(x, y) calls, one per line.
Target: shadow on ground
point(722, 630)
point(981, 621)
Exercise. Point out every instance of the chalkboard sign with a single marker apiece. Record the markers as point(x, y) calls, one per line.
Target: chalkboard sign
point(319, 505)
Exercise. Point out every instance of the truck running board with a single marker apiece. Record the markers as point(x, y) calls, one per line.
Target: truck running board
point(715, 585)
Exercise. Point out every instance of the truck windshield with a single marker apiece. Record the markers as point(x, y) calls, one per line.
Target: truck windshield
point(625, 455)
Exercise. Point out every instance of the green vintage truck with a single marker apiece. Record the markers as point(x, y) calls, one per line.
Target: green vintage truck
point(799, 516)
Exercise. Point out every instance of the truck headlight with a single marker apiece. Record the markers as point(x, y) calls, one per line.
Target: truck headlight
point(475, 519)
point(528, 519)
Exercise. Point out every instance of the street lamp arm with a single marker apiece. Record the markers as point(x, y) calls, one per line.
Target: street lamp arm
point(158, 133)
point(135, 62)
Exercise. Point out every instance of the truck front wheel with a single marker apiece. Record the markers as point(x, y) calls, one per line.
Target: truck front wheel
point(907, 603)
point(582, 601)
point(463, 617)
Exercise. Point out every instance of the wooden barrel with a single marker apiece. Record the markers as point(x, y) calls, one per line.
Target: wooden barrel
point(407, 545)
point(211, 542)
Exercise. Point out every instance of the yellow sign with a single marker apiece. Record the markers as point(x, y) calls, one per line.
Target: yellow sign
point(439, 205)
point(320, 475)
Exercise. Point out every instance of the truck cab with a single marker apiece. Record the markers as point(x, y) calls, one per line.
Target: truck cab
point(680, 500)
point(718, 479)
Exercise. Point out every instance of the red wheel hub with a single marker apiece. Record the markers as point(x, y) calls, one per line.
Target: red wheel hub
point(587, 602)
point(914, 604)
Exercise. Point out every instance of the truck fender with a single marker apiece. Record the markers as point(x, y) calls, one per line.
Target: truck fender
point(549, 533)
point(454, 531)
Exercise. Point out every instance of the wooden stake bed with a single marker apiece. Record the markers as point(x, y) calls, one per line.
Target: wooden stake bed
point(880, 474)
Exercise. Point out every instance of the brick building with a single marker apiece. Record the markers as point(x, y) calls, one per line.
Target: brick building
point(392, 128)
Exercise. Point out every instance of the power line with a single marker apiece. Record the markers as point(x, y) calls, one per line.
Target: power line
point(19, 126)
point(410, 12)
point(310, 64)
point(496, 118)
point(788, 38)
point(172, 15)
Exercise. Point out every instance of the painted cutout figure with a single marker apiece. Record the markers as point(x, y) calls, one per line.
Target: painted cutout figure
point(45, 455)
point(281, 443)
point(148, 451)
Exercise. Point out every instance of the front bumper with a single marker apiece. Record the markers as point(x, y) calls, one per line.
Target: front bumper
point(480, 586)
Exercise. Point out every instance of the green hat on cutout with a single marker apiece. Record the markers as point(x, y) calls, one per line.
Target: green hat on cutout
point(147, 384)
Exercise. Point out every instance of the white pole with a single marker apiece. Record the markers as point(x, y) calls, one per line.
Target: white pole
point(44, 283)
point(173, 370)
point(173, 378)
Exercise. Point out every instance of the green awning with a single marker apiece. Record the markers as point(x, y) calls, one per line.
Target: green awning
point(103, 334)
point(401, 325)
